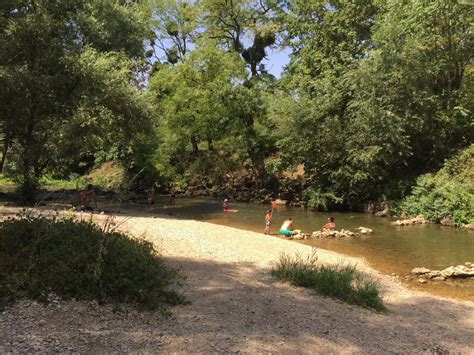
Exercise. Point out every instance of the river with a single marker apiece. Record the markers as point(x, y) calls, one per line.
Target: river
point(390, 249)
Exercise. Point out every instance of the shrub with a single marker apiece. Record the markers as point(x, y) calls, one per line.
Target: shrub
point(78, 259)
point(318, 200)
point(447, 194)
point(341, 282)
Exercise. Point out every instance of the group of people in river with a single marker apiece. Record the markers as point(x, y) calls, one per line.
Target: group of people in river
point(287, 229)
point(88, 197)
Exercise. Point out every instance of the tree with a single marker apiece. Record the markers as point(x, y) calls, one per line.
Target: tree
point(233, 22)
point(57, 60)
point(378, 93)
point(175, 24)
point(193, 95)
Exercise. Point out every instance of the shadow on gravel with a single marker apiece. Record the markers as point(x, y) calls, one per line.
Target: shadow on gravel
point(240, 306)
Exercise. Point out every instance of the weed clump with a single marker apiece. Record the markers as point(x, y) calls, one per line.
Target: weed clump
point(341, 282)
point(78, 259)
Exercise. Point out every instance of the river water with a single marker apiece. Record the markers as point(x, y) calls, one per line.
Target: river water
point(390, 249)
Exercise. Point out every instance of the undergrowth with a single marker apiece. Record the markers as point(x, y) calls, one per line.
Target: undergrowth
point(447, 194)
point(341, 282)
point(80, 260)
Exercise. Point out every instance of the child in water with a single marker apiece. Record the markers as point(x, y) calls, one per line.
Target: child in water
point(268, 221)
point(226, 205)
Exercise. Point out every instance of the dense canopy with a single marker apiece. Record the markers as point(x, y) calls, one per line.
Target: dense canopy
point(376, 94)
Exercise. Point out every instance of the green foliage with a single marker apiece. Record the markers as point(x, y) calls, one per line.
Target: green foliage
point(341, 282)
point(376, 93)
point(235, 23)
point(447, 194)
point(78, 259)
point(318, 200)
point(70, 92)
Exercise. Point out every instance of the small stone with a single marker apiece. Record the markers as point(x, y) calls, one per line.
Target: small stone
point(420, 271)
point(467, 264)
point(439, 278)
point(422, 281)
point(432, 274)
point(42, 323)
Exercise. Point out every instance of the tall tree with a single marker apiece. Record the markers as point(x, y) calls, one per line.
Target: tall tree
point(248, 27)
point(379, 93)
point(175, 23)
point(57, 59)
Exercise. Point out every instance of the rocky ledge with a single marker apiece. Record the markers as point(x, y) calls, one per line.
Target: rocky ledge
point(411, 221)
point(342, 234)
point(452, 272)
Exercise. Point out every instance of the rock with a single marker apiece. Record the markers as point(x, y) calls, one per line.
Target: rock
point(468, 264)
point(342, 234)
point(446, 221)
point(422, 281)
point(462, 272)
point(420, 271)
point(448, 272)
point(301, 236)
point(432, 274)
point(385, 212)
point(42, 323)
point(406, 222)
point(468, 226)
point(364, 230)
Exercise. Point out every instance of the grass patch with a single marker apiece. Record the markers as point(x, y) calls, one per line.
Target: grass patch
point(78, 259)
point(341, 282)
point(73, 184)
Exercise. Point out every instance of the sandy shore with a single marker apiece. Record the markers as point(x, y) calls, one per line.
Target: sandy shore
point(237, 307)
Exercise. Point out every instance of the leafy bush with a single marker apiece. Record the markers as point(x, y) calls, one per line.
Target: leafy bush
point(108, 177)
point(341, 282)
point(447, 194)
point(78, 259)
point(318, 200)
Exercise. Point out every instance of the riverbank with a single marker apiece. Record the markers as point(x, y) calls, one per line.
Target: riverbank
point(236, 306)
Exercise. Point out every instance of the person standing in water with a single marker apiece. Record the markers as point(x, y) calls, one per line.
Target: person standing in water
point(274, 204)
point(226, 205)
point(268, 221)
point(150, 197)
point(172, 195)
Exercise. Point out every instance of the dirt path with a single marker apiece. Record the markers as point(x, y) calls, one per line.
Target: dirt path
point(236, 307)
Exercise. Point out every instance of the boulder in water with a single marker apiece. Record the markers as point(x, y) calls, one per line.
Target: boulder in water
point(364, 230)
point(342, 234)
point(406, 222)
point(420, 271)
point(453, 272)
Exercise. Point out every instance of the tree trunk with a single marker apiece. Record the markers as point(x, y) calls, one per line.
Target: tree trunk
point(194, 143)
point(6, 145)
point(210, 145)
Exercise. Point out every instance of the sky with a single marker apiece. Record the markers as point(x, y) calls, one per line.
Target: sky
point(276, 60)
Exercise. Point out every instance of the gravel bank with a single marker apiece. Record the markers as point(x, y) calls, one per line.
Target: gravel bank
point(236, 307)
